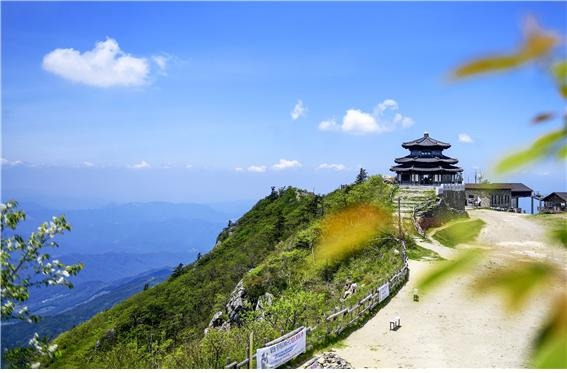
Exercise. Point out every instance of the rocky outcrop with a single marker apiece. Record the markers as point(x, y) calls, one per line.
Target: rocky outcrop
point(217, 320)
point(435, 214)
point(329, 360)
point(236, 305)
point(106, 340)
point(350, 289)
point(264, 301)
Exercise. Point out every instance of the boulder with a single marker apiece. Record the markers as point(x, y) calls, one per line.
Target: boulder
point(350, 289)
point(216, 321)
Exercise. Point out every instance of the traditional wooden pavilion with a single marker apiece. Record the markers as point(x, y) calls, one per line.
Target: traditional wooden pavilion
point(426, 164)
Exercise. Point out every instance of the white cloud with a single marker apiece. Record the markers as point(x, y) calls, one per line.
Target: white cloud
point(238, 169)
point(298, 110)
point(332, 166)
point(142, 164)
point(356, 121)
point(256, 168)
point(6, 162)
point(405, 122)
point(284, 163)
point(465, 138)
point(106, 65)
point(161, 62)
point(329, 125)
point(88, 164)
point(188, 166)
point(387, 104)
point(386, 117)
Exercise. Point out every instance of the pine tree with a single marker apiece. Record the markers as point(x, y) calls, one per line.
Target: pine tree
point(362, 176)
point(178, 271)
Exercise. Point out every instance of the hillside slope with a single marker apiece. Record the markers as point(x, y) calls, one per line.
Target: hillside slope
point(270, 253)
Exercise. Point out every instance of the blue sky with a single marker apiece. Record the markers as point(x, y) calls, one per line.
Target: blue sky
point(195, 101)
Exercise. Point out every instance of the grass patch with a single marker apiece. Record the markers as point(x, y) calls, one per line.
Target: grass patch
point(556, 225)
point(417, 252)
point(458, 233)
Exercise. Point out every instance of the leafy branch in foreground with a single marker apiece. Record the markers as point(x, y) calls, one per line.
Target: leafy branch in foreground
point(25, 266)
point(538, 44)
point(517, 281)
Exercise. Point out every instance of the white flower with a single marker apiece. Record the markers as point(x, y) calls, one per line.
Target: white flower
point(52, 348)
point(35, 365)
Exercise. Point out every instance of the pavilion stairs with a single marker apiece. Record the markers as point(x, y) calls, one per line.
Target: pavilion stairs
point(411, 197)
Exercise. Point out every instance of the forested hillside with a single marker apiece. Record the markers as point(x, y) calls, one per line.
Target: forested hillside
point(292, 256)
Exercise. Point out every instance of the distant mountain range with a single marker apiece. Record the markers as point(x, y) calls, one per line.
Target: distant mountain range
point(122, 247)
point(68, 308)
point(134, 227)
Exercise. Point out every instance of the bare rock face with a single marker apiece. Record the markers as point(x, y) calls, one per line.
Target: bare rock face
point(329, 360)
point(236, 303)
point(217, 320)
point(264, 301)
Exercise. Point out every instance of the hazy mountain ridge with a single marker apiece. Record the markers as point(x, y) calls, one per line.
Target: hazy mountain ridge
point(85, 301)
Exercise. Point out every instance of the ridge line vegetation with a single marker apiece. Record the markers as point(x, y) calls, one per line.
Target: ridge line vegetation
point(275, 248)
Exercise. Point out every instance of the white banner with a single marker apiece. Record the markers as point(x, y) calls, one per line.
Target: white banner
point(383, 292)
point(282, 352)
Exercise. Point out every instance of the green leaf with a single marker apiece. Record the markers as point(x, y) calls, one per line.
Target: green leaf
point(443, 270)
point(562, 153)
point(536, 45)
point(559, 71)
point(551, 345)
point(517, 281)
point(541, 148)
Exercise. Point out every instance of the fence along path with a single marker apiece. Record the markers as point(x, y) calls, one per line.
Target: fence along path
point(339, 321)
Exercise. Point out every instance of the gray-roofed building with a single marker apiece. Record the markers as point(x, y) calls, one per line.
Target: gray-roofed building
point(555, 202)
point(496, 195)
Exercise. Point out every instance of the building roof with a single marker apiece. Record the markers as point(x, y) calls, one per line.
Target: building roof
point(514, 187)
point(562, 195)
point(426, 169)
point(426, 141)
point(436, 159)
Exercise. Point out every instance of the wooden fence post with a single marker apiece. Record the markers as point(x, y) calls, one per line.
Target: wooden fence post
point(251, 351)
point(400, 216)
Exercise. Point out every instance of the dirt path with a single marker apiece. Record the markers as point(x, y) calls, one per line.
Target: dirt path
point(516, 235)
point(450, 327)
